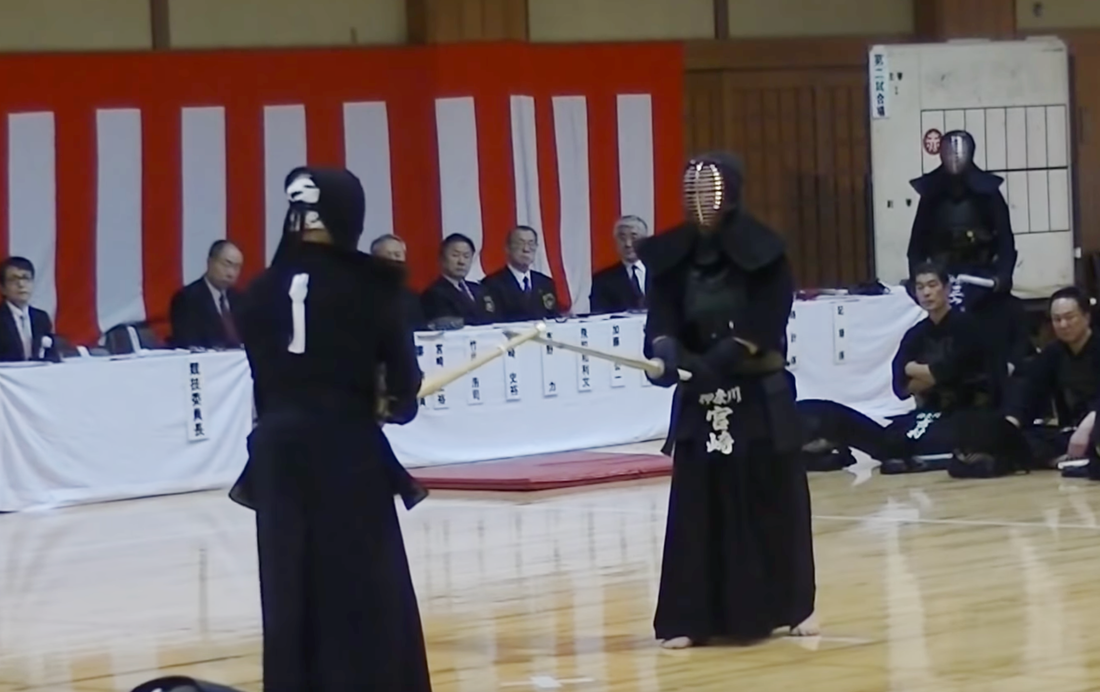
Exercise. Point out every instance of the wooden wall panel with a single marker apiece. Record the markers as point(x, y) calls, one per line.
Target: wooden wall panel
point(803, 136)
point(74, 25)
point(785, 18)
point(284, 23)
point(620, 20)
point(1056, 14)
point(454, 21)
point(1084, 48)
point(947, 19)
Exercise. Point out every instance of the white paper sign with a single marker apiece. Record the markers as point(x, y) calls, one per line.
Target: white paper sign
point(424, 360)
point(616, 346)
point(439, 362)
point(549, 375)
point(584, 364)
point(197, 429)
point(840, 334)
point(512, 390)
point(792, 340)
point(640, 325)
point(879, 79)
point(473, 394)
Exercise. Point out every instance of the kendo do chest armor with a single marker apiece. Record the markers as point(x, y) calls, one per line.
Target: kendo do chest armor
point(961, 233)
point(713, 297)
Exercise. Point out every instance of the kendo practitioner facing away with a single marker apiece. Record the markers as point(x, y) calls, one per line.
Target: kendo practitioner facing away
point(738, 555)
point(339, 610)
point(962, 224)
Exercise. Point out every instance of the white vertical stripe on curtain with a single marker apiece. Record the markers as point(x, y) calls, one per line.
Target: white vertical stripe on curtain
point(119, 262)
point(202, 157)
point(635, 119)
point(32, 201)
point(459, 179)
point(367, 155)
point(284, 150)
point(571, 144)
point(525, 163)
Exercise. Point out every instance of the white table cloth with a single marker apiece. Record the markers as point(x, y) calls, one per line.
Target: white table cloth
point(535, 401)
point(92, 430)
point(99, 429)
point(842, 349)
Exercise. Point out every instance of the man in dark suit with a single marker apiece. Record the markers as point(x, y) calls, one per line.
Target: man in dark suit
point(22, 327)
point(202, 312)
point(390, 247)
point(518, 293)
point(622, 287)
point(452, 296)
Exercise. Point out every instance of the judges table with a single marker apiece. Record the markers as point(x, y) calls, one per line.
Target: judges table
point(100, 429)
point(97, 429)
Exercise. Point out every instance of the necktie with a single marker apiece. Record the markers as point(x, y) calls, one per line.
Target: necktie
point(638, 292)
point(466, 291)
point(526, 284)
point(227, 321)
point(25, 336)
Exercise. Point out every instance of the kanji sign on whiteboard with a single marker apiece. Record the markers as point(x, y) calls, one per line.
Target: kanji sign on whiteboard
point(879, 81)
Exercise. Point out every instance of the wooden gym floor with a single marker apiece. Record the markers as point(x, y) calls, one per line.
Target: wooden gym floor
point(925, 585)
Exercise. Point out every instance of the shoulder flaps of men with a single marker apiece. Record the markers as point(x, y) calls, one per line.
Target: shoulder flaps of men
point(749, 243)
point(977, 180)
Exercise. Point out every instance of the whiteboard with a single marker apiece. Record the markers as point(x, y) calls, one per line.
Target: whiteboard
point(1013, 97)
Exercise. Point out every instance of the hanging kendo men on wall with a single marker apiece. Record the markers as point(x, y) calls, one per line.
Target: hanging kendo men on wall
point(962, 224)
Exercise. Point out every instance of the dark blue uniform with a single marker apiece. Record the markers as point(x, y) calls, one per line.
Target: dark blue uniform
point(738, 554)
point(324, 328)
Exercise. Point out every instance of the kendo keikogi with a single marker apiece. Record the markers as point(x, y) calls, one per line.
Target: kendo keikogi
point(738, 556)
point(962, 224)
point(327, 340)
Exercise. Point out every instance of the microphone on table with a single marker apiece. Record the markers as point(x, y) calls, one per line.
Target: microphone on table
point(44, 348)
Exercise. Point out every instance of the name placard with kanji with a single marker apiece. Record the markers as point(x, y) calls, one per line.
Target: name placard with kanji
point(197, 429)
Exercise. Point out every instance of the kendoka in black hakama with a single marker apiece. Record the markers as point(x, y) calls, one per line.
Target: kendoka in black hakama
point(738, 555)
point(962, 223)
point(339, 610)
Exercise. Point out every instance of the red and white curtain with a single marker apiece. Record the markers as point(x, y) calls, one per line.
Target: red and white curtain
point(121, 170)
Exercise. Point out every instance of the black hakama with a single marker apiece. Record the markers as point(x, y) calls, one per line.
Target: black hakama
point(339, 609)
point(340, 612)
point(738, 555)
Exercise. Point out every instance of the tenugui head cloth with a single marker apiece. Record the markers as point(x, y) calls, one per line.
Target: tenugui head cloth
point(329, 198)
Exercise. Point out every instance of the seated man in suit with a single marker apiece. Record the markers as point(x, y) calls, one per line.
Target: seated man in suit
point(392, 248)
point(22, 327)
point(519, 293)
point(622, 286)
point(451, 296)
point(202, 311)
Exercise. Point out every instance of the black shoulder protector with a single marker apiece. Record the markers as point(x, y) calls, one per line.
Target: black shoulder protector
point(747, 242)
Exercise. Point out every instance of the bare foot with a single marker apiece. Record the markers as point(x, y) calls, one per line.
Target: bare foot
point(807, 628)
point(677, 643)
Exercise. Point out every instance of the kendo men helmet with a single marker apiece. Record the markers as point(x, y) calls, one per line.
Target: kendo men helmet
point(957, 151)
point(712, 188)
point(326, 198)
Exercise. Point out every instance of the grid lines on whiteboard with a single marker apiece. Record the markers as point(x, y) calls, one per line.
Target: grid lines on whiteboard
point(1027, 146)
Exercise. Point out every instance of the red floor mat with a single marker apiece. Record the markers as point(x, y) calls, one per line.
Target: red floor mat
point(544, 472)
